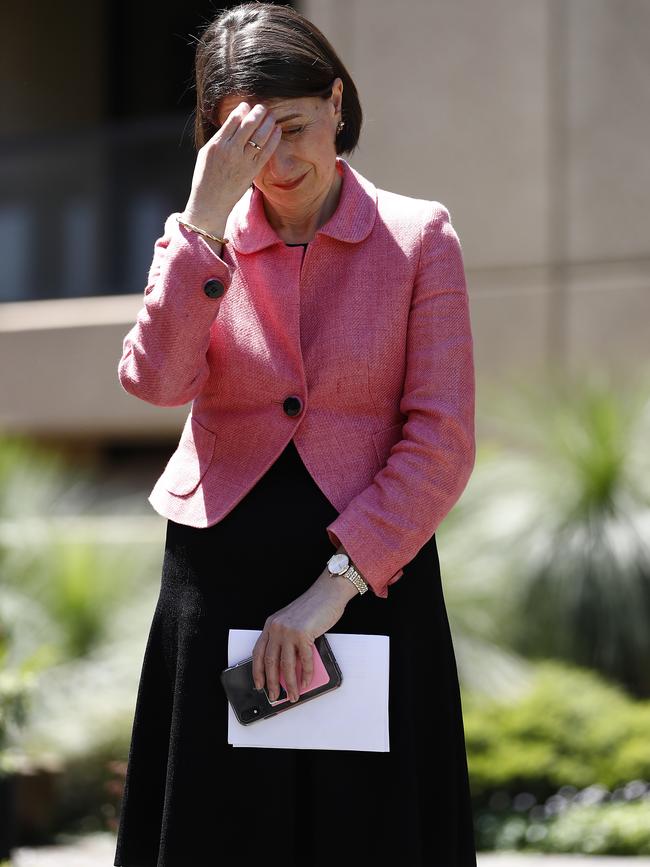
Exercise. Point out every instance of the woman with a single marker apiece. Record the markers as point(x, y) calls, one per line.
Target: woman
point(320, 327)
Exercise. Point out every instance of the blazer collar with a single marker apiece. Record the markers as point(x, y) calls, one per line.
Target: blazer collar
point(352, 221)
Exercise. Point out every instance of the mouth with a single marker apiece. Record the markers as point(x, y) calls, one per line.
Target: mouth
point(293, 184)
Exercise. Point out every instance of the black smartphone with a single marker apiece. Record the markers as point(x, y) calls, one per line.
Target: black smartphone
point(251, 704)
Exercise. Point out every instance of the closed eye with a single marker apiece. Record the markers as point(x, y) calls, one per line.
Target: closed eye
point(294, 130)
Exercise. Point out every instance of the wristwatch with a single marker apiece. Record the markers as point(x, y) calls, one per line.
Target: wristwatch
point(339, 564)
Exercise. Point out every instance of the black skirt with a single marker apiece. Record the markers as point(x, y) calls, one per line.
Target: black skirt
point(193, 800)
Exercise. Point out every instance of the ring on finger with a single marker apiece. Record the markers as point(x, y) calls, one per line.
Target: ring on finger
point(254, 144)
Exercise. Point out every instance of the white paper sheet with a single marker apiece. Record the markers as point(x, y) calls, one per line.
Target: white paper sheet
point(352, 717)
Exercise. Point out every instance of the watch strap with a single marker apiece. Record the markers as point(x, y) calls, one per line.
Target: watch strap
point(349, 572)
point(354, 576)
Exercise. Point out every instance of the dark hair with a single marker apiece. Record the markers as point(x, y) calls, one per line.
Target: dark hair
point(268, 51)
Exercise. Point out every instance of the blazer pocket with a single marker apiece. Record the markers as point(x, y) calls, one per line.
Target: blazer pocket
point(190, 461)
point(385, 439)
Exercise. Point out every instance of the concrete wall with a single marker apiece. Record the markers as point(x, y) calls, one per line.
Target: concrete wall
point(528, 119)
point(60, 372)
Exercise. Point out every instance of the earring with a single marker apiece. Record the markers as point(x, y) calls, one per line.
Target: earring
point(340, 126)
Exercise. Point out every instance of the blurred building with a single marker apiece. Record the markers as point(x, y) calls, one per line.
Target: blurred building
point(528, 119)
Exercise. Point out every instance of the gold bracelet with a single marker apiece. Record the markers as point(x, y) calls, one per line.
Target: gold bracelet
point(201, 231)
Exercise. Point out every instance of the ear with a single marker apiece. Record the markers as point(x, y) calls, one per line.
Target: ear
point(337, 95)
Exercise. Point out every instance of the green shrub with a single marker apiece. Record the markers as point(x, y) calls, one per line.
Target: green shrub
point(602, 829)
point(550, 540)
point(591, 829)
point(570, 728)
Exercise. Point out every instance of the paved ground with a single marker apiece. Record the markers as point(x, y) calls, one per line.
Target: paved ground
point(516, 859)
point(98, 850)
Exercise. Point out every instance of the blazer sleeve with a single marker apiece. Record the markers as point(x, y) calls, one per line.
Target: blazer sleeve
point(387, 523)
point(164, 355)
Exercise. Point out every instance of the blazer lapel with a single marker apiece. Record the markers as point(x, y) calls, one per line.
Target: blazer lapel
point(249, 229)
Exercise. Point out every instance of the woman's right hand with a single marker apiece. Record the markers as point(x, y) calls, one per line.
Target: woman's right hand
point(226, 164)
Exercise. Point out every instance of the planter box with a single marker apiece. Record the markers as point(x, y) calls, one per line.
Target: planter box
point(7, 815)
point(35, 805)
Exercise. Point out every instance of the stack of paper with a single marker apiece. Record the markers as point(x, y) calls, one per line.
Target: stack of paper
point(352, 717)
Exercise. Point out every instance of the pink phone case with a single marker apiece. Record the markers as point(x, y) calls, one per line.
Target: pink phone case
point(319, 678)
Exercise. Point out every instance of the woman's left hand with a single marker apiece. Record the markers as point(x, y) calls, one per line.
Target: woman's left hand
point(289, 634)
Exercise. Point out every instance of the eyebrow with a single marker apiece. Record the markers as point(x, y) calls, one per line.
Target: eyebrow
point(288, 117)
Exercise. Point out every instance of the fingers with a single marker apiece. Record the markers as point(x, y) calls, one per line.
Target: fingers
point(258, 659)
point(232, 123)
point(307, 664)
point(268, 148)
point(259, 125)
point(267, 136)
point(249, 124)
point(227, 165)
point(288, 664)
point(272, 669)
point(285, 651)
point(262, 131)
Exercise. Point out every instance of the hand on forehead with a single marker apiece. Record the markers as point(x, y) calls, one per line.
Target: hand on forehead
point(283, 109)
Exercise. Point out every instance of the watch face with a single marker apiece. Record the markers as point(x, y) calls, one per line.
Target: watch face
point(338, 563)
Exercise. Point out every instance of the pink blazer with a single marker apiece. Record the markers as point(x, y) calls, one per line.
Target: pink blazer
point(362, 352)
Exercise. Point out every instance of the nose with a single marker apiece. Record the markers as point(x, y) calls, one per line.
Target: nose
point(281, 165)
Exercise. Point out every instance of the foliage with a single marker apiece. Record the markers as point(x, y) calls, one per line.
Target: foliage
point(15, 690)
point(76, 596)
point(571, 821)
point(547, 554)
point(570, 728)
point(544, 556)
point(562, 768)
